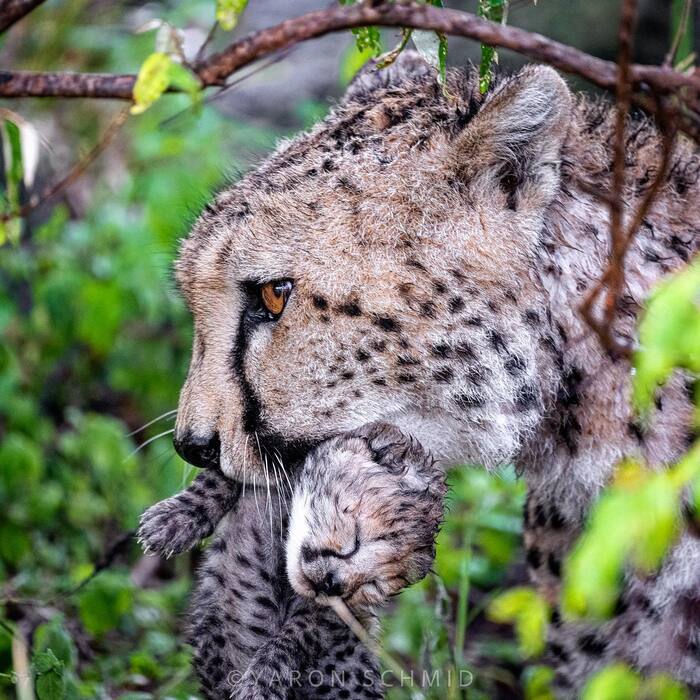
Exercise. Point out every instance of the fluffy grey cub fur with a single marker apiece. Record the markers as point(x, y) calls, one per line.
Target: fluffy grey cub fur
point(360, 524)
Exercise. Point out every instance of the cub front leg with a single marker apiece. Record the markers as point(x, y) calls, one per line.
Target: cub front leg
point(182, 521)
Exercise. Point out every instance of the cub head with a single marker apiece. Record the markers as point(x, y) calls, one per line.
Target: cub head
point(378, 268)
point(365, 512)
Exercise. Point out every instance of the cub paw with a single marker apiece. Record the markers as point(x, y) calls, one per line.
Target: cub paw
point(169, 528)
point(391, 448)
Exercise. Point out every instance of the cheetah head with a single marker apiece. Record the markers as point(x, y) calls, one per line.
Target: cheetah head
point(379, 268)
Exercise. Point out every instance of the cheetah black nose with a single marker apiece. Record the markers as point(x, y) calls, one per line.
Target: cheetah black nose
point(330, 585)
point(200, 451)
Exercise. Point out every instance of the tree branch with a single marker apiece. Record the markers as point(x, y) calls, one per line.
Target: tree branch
point(12, 11)
point(95, 85)
point(214, 70)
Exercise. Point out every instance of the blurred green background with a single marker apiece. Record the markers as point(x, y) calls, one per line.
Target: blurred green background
point(95, 343)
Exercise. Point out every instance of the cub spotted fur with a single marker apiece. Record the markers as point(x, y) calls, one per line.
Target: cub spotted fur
point(435, 246)
point(365, 511)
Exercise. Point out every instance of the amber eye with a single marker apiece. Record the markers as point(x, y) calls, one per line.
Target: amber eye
point(274, 296)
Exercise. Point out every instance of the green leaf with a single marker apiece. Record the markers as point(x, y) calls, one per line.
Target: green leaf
point(442, 57)
point(619, 682)
point(634, 522)
point(669, 334)
point(530, 613)
point(50, 678)
point(52, 636)
point(103, 306)
point(21, 465)
point(663, 687)
point(46, 661)
point(185, 80)
point(538, 683)
point(15, 544)
point(495, 11)
point(368, 39)
point(436, 55)
point(104, 602)
point(51, 686)
point(12, 154)
point(228, 12)
point(152, 81)
point(687, 33)
point(14, 171)
point(488, 58)
point(616, 682)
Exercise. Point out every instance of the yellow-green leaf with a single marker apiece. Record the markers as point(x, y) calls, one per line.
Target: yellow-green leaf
point(634, 523)
point(663, 687)
point(669, 334)
point(619, 682)
point(616, 682)
point(537, 683)
point(529, 612)
point(228, 12)
point(152, 81)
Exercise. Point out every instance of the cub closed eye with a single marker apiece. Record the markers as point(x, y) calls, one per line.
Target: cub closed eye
point(274, 296)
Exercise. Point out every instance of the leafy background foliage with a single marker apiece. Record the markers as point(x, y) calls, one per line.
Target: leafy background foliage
point(95, 344)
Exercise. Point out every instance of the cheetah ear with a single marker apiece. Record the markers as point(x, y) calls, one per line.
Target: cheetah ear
point(514, 142)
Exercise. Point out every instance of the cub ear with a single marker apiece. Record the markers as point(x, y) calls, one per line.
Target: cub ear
point(515, 140)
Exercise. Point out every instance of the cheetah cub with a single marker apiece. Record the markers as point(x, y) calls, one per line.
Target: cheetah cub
point(360, 525)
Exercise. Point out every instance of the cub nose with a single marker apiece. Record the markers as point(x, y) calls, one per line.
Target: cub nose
point(330, 585)
point(200, 451)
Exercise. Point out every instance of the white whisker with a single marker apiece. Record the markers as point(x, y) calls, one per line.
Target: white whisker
point(284, 472)
point(279, 499)
point(149, 441)
point(245, 463)
point(255, 496)
point(269, 499)
point(151, 422)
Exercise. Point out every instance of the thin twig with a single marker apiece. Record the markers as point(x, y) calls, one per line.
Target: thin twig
point(228, 87)
point(345, 614)
point(611, 284)
point(205, 44)
point(113, 551)
point(623, 95)
point(58, 600)
point(612, 280)
point(74, 173)
point(613, 277)
point(680, 32)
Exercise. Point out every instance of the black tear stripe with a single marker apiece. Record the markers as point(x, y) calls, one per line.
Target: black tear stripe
point(272, 445)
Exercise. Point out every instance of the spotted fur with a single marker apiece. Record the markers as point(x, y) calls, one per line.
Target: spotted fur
point(440, 242)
